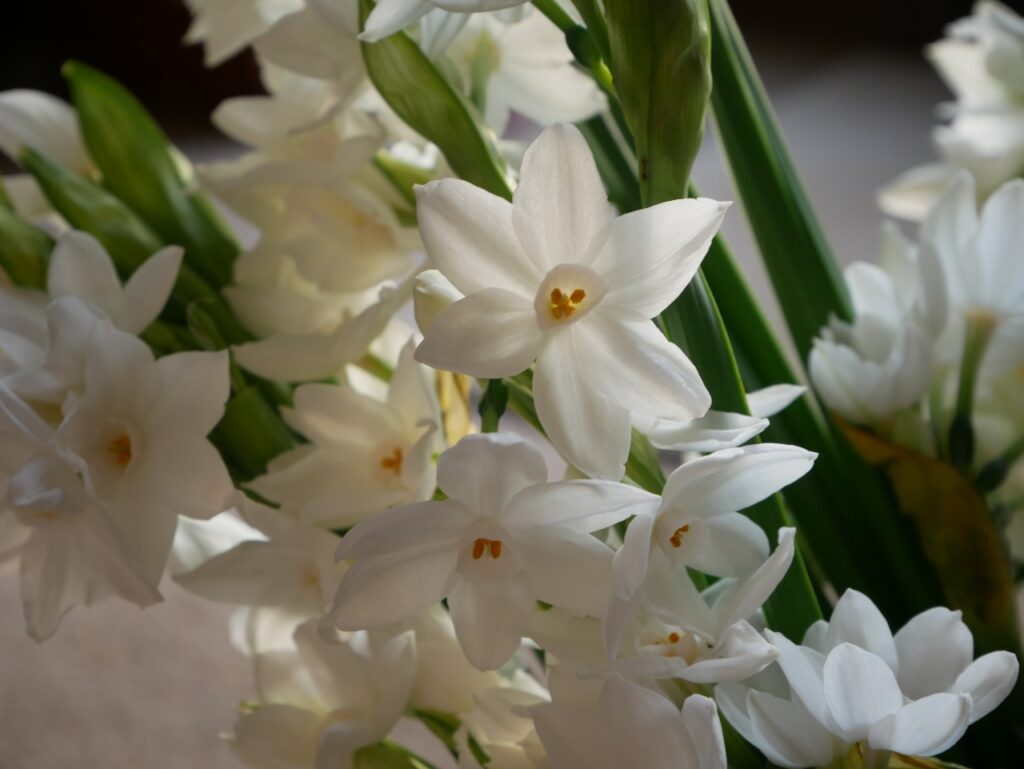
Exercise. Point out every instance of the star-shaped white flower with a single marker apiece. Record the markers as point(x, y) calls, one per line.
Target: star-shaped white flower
point(554, 277)
point(504, 539)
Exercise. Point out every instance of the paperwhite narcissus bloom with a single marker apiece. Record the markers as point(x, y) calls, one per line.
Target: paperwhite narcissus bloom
point(982, 61)
point(525, 67)
point(914, 693)
point(697, 522)
point(881, 363)
point(554, 277)
point(364, 455)
point(390, 16)
point(631, 726)
point(282, 563)
point(225, 27)
point(980, 254)
point(500, 724)
point(67, 545)
point(504, 539)
point(320, 702)
point(671, 630)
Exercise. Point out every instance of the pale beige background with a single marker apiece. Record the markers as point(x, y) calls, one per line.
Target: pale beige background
point(119, 688)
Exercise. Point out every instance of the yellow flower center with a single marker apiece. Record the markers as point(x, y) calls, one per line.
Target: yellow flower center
point(121, 449)
point(563, 305)
point(482, 546)
point(393, 461)
point(677, 536)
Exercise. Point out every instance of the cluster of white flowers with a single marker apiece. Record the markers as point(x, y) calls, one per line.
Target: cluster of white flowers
point(938, 332)
point(397, 569)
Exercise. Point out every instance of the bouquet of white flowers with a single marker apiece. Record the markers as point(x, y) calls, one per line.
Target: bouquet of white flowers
point(655, 548)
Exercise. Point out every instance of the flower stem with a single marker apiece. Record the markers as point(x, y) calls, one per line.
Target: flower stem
point(980, 326)
point(994, 473)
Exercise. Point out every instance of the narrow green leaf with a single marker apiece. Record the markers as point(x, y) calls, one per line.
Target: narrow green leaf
point(661, 65)
point(251, 433)
point(24, 250)
point(140, 167)
point(799, 261)
point(493, 405)
point(5, 198)
point(420, 95)
point(616, 172)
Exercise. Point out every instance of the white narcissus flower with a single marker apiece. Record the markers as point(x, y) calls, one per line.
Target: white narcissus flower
point(225, 27)
point(914, 693)
point(320, 703)
point(631, 726)
point(697, 522)
point(364, 455)
point(982, 61)
point(391, 16)
point(869, 370)
point(504, 539)
point(980, 254)
point(554, 277)
point(524, 67)
point(67, 545)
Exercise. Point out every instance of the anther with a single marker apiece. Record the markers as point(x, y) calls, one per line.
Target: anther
point(677, 536)
point(482, 545)
point(121, 448)
point(393, 461)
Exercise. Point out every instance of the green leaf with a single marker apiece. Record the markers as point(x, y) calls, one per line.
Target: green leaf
point(661, 66)
point(24, 250)
point(5, 198)
point(420, 95)
point(799, 262)
point(251, 433)
point(493, 405)
point(140, 167)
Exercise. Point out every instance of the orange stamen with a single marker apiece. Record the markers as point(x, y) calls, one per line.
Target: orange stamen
point(564, 305)
point(482, 545)
point(393, 461)
point(677, 536)
point(121, 449)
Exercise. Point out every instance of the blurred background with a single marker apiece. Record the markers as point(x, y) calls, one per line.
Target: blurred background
point(119, 688)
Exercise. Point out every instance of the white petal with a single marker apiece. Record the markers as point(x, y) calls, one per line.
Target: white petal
point(630, 565)
point(577, 739)
point(80, 267)
point(701, 719)
point(856, 620)
point(147, 290)
point(989, 680)
point(569, 569)
point(485, 471)
point(803, 670)
point(925, 727)
point(469, 237)
point(391, 16)
point(581, 505)
point(786, 733)
point(633, 363)
point(743, 598)
point(860, 689)
point(560, 207)
point(769, 401)
point(912, 194)
point(734, 546)
point(44, 123)
point(740, 653)
point(336, 416)
point(194, 388)
point(652, 254)
point(734, 479)
point(490, 618)
point(406, 528)
point(587, 428)
point(391, 588)
point(650, 727)
point(927, 666)
point(711, 432)
point(277, 735)
point(489, 334)
point(432, 293)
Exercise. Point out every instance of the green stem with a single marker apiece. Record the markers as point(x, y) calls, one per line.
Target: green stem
point(980, 327)
point(593, 18)
point(994, 473)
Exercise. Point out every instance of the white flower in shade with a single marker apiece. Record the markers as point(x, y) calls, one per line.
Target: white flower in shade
point(48, 125)
point(281, 563)
point(669, 629)
point(500, 724)
point(137, 432)
point(720, 429)
point(982, 61)
point(364, 455)
point(319, 703)
point(979, 254)
point(68, 547)
point(504, 539)
point(869, 370)
point(524, 67)
point(631, 726)
point(390, 16)
point(225, 27)
point(697, 522)
point(556, 278)
point(914, 693)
